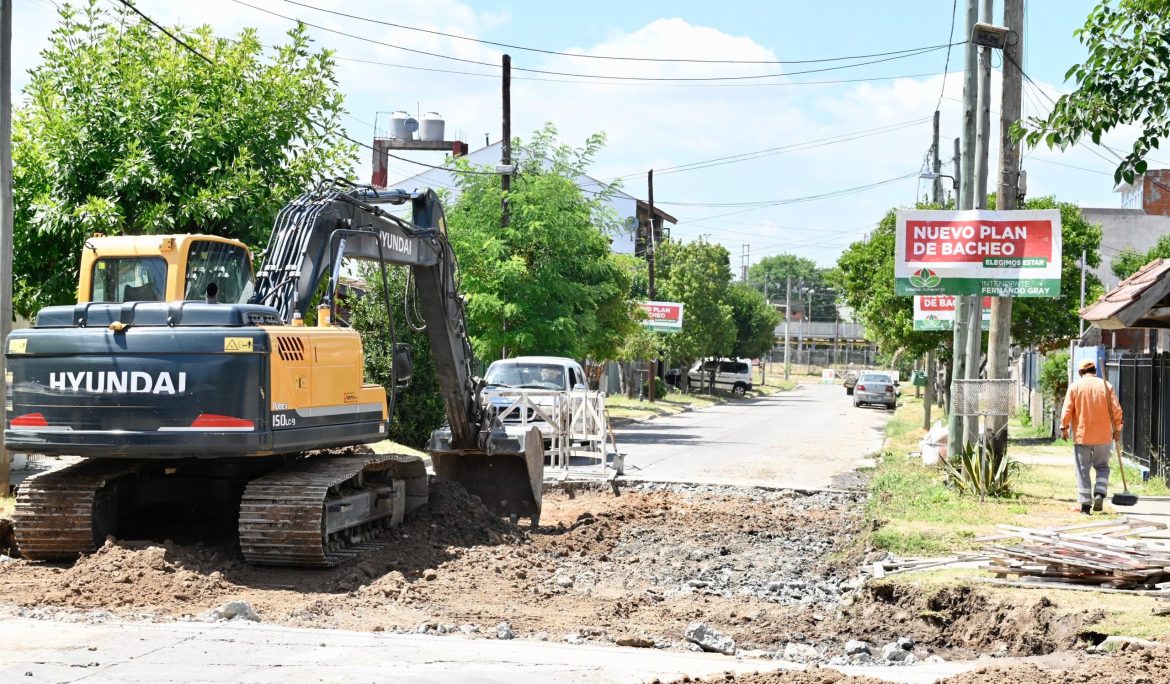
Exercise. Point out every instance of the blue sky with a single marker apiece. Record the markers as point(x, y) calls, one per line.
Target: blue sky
point(878, 129)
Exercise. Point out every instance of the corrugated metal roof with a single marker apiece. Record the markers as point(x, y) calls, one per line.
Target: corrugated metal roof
point(1137, 302)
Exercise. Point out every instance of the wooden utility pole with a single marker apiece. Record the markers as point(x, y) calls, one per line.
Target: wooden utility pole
point(506, 143)
point(936, 198)
point(1007, 199)
point(982, 162)
point(955, 429)
point(787, 318)
point(650, 246)
point(5, 222)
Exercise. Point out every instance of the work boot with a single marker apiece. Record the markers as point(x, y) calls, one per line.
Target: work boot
point(1087, 509)
point(1098, 502)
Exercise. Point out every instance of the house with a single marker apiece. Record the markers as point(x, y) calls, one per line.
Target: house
point(1144, 216)
point(633, 213)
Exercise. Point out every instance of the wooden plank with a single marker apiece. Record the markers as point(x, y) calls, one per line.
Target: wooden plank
point(1059, 585)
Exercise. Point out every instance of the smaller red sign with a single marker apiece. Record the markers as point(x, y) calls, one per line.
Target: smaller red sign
point(944, 302)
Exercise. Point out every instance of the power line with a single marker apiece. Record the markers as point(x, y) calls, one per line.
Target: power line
point(578, 81)
point(916, 52)
point(947, 64)
point(795, 200)
point(172, 36)
point(773, 151)
point(611, 57)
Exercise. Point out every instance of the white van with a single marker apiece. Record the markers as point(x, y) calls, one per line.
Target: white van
point(731, 375)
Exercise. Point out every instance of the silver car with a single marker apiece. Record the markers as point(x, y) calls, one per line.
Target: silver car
point(875, 388)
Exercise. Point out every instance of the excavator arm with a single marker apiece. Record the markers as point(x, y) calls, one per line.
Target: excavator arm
point(337, 220)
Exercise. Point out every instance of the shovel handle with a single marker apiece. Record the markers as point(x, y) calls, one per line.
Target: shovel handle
point(1121, 465)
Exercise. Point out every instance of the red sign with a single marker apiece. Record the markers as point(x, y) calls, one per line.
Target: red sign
point(663, 316)
point(930, 242)
point(944, 302)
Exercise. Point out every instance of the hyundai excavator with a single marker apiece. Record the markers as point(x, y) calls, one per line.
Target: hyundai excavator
point(186, 383)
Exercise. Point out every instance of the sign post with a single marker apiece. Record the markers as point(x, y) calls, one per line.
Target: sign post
point(1001, 254)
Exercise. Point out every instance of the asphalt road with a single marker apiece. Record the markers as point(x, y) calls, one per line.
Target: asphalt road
point(45, 651)
point(809, 438)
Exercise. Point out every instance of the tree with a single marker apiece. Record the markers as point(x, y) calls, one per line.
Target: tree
point(419, 409)
point(755, 321)
point(1040, 321)
point(865, 274)
point(806, 275)
point(1129, 261)
point(123, 131)
point(697, 274)
point(548, 283)
point(1122, 81)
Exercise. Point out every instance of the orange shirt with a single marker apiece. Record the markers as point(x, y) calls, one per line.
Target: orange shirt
point(1092, 411)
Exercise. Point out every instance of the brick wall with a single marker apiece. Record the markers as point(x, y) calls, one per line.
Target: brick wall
point(1155, 195)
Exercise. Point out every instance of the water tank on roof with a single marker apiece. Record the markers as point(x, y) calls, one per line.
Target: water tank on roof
point(431, 127)
point(402, 126)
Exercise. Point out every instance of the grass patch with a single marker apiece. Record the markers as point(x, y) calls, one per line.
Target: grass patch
point(620, 406)
point(923, 517)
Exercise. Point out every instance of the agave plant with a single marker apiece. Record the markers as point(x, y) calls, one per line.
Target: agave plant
point(977, 470)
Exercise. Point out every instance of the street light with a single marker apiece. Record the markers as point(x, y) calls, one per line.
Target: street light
point(931, 175)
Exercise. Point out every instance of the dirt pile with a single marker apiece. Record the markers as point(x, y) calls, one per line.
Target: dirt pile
point(638, 568)
point(813, 675)
point(1148, 666)
point(963, 621)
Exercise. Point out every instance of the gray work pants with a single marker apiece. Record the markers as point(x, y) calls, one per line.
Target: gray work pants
point(1092, 457)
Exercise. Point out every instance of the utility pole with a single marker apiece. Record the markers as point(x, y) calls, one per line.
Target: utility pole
point(955, 429)
point(982, 161)
point(1081, 322)
point(1007, 199)
point(650, 247)
point(5, 220)
point(506, 143)
point(936, 198)
point(787, 318)
point(957, 161)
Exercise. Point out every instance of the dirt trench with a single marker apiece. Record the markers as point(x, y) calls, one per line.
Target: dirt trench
point(765, 568)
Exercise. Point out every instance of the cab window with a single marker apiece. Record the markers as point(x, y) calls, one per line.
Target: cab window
point(129, 279)
point(221, 263)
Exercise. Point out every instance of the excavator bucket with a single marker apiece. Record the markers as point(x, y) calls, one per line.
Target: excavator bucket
point(507, 474)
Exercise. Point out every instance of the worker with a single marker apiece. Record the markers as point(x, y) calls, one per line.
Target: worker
point(1092, 413)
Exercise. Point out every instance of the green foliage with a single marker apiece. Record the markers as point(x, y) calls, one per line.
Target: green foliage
point(1121, 81)
point(755, 321)
point(697, 274)
point(1023, 416)
point(1038, 321)
point(806, 275)
point(1054, 377)
point(865, 274)
point(419, 408)
point(546, 284)
point(122, 131)
point(980, 471)
point(1129, 261)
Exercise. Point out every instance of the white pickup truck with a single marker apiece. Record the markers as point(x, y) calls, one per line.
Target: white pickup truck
point(549, 375)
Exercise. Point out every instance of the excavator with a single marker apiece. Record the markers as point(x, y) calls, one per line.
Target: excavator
point(189, 383)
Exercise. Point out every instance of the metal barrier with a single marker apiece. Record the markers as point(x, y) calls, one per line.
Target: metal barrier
point(574, 424)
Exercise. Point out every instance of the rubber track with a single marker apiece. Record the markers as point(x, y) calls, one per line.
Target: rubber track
point(54, 510)
point(281, 513)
